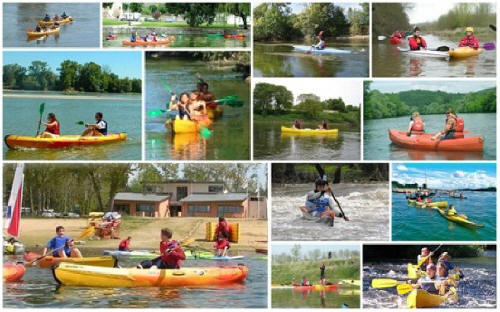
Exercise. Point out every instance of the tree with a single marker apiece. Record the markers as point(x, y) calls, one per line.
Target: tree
point(241, 10)
point(308, 97)
point(68, 74)
point(270, 99)
point(194, 14)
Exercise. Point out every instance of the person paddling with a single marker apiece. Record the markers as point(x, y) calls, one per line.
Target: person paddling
point(428, 281)
point(448, 132)
point(125, 244)
point(321, 41)
point(46, 18)
point(426, 254)
point(397, 34)
point(296, 124)
point(469, 40)
point(62, 246)
point(324, 125)
point(53, 127)
point(322, 273)
point(444, 259)
point(171, 252)
point(100, 128)
point(319, 204)
point(416, 125)
point(416, 41)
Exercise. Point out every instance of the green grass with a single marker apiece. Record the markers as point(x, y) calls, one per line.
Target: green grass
point(132, 223)
point(284, 273)
point(345, 121)
point(114, 22)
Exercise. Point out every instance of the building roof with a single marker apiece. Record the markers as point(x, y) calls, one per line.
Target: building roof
point(185, 181)
point(141, 197)
point(214, 197)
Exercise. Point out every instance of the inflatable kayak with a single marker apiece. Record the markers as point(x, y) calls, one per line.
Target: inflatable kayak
point(310, 49)
point(66, 20)
point(396, 40)
point(93, 276)
point(317, 287)
point(14, 141)
point(464, 52)
point(424, 142)
point(145, 43)
point(50, 31)
point(135, 254)
point(459, 220)
point(13, 272)
point(433, 204)
point(47, 262)
point(308, 131)
point(215, 113)
point(425, 53)
point(420, 298)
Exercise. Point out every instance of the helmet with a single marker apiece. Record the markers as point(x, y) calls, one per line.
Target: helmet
point(320, 181)
point(469, 29)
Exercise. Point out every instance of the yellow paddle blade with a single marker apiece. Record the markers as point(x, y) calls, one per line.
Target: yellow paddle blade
point(87, 233)
point(384, 283)
point(187, 241)
point(404, 289)
point(421, 261)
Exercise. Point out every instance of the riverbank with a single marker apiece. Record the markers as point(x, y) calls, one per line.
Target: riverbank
point(174, 30)
point(284, 273)
point(343, 121)
point(145, 233)
point(482, 33)
point(77, 96)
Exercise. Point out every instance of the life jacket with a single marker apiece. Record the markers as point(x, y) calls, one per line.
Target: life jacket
point(54, 129)
point(418, 125)
point(105, 130)
point(416, 43)
point(321, 203)
point(469, 41)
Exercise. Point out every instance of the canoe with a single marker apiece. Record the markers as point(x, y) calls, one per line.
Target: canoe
point(50, 31)
point(135, 254)
point(47, 262)
point(14, 141)
point(13, 272)
point(93, 276)
point(464, 52)
point(309, 49)
point(396, 40)
point(425, 53)
point(215, 113)
point(424, 142)
point(66, 20)
point(145, 43)
point(433, 204)
point(317, 287)
point(420, 298)
point(459, 220)
point(309, 131)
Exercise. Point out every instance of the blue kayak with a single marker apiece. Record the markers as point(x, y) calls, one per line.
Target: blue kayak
point(310, 49)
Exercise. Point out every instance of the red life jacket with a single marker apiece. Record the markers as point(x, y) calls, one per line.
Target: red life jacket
point(418, 125)
point(54, 129)
point(459, 128)
point(416, 43)
point(469, 41)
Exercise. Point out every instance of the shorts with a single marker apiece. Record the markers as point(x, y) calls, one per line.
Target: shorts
point(449, 136)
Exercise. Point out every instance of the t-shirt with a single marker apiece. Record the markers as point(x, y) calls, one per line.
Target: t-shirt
point(58, 242)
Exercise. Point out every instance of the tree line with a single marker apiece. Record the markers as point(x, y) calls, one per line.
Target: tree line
point(85, 188)
point(388, 17)
point(404, 252)
point(195, 14)
point(466, 14)
point(378, 105)
point(276, 22)
point(297, 255)
point(336, 173)
point(88, 77)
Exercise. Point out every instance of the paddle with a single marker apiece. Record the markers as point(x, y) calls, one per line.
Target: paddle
point(421, 261)
point(493, 27)
point(41, 257)
point(322, 174)
point(42, 108)
point(87, 233)
point(386, 283)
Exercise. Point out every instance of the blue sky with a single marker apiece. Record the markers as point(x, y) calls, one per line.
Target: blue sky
point(323, 246)
point(394, 86)
point(298, 7)
point(446, 176)
point(123, 63)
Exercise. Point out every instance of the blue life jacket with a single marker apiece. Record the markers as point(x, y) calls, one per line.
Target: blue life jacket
point(321, 203)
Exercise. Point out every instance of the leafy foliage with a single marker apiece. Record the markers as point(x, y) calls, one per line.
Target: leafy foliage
point(388, 17)
point(381, 252)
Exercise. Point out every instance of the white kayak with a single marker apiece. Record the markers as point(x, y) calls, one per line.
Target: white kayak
point(425, 53)
point(310, 49)
point(226, 258)
point(130, 254)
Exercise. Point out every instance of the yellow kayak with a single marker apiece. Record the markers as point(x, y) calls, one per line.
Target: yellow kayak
point(50, 31)
point(309, 131)
point(66, 20)
point(412, 201)
point(464, 52)
point(185, 126)
point(215, 113)
point(433, 204)
point(14, 141)
point(420, 298)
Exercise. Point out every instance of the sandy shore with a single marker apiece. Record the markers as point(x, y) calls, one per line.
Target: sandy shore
point(36, 232)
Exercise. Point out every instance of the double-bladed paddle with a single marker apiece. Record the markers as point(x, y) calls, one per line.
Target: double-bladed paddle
point(42, 108)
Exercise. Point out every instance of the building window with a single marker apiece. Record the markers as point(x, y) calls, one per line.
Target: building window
point(222, 210)
point(147, 210)
point(182, 192)
point(122, 208)
point(194, 209)
point(215, 189)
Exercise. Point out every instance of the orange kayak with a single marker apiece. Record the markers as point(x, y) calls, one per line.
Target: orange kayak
point(49, 261)
point(424, 142)
point(13, 272)
point(145, 43)
point(93, 276)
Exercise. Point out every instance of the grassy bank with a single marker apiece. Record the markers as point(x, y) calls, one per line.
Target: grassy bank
point(482, 33)
point(114, 22)
point(145, 232)
point(343, 121)
point(284, 273)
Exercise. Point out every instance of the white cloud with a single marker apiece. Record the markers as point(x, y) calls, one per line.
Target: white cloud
point(447, 180)
point(402, 168)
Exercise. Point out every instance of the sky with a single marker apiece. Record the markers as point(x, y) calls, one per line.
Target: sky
point(323, 247)
point(429, 11)
point(298, 7)
point(446, 176)
point(349, 90)
point(395, 86)
point(128, 64)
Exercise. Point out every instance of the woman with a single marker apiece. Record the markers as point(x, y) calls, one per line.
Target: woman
point(53, 127)
point(296, 124)
point(182, 105)
point(416, 125)
point(324, 125)
point(198, 107)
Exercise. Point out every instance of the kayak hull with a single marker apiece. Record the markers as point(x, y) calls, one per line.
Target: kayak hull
point(420, 298)
point(145, 43)
point(35, 34)
point(67, 20)
point(317, 287)
point(49, 261)
point(13, 272)
point(92, 276)
point(136, 254)
point(64, 141)
point(185, 126)
point(424, 142)
point(459, 220)
point(464, 52)
point(425, 53)
point(310, 49)
point(309, 131)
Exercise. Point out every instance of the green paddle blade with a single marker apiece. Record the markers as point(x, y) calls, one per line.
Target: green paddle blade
point(153, 113)
point(384, 283)
point(213, 35)
point(42, 108)
point(404, 289)
point(80, 123)
point(205, 132)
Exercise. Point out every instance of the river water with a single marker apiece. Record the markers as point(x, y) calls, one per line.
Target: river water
point(84, 31)
point(280, 60)
point(271, 144)
point(366, 205)
point(122, 112)
point(186, 41)
point(230, 138)
point(412, 223)
point(388, 61)
point(38, 289)
point(476, 290)
point(378, 146)
point(290, 298)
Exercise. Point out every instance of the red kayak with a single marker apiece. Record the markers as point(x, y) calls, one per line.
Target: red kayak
point(13, 272)
point(317, 287)
point(396, 40)
point(424, 142)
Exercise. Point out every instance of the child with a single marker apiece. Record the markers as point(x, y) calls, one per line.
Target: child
point(125, 244)
point(221, 246)
point(62, 246)
point(171, 254)
point(318, 204)
point(322, 273)
point(98, 129)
